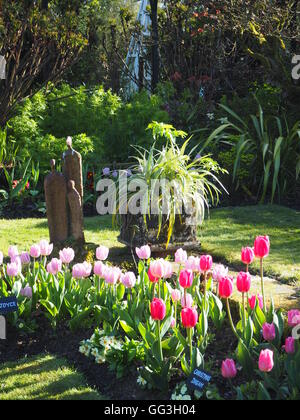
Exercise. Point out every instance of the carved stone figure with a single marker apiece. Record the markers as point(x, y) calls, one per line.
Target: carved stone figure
point(56, 202)
point(72, 167)
point(76, 213)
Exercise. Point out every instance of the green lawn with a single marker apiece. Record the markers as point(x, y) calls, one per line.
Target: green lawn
point(223, 235)
point(229, 229)
point(25, 232)
point(43, 378)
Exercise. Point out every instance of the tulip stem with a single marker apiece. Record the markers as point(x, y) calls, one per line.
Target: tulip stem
point(175, 315)
point(159, 341)
point(99, 285)
point(262, 284)
point(189, 332)
point(205, 286)
point(244, 312)
point(230, 319)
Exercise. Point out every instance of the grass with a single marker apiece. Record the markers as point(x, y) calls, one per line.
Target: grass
point(222, 235)
point(25, 232)
point(43, 378)
point(228, 229)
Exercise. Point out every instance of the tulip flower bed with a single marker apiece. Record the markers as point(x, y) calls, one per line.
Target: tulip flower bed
point(160, 322)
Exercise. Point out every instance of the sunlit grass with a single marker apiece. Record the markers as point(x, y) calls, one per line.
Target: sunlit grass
point(223, 235)
point(228, 229)
point(43, 378)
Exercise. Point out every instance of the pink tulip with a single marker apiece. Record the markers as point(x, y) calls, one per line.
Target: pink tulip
point(112, 275)
point(173, 322)
point(189, 317)
point(158, 309)
point(102, 253)
point(1, 258)
point(290, 345)
point(26, 292)
point(157, 268)
point(87, 267)
point(54, 266)
point(186, 279)
point(247, 255)
point(225, 287)
point(229, 370)
point(206, 263)
point(293, 318)
point(243, 282)
point(129, 280)
point(67, 255)
point(192, 264)
point(176, 295)
point(100, 269)
point(25, 258)
point(266, 361)
point(269, 332)
point(78, 271)
point(46, 248)
point(219, 272)
point(181, 256)
point(252, 301)
point(13, 251)
point(144, 253)
point(35, 251)
point(168, 270)
point(187, 301)
point(262, 246)
point(13, 269)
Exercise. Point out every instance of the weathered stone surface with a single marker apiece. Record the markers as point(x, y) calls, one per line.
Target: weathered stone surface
point(76, 213)
point(72, 169)
point(134, 232)
point(56, 203)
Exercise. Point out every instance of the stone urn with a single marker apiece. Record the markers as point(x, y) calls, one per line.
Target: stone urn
point(135, 232)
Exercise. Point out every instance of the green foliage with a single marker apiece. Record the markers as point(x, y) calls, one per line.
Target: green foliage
point(102, 126)
point(274, 147)
point(192, 182)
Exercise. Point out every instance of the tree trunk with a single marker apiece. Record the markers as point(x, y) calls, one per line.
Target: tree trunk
point(155, 44)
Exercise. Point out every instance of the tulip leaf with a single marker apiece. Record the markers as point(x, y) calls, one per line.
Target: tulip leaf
point(245, 359)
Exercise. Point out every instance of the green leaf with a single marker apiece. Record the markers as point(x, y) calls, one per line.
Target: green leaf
point(128, 330)
point(245, 359)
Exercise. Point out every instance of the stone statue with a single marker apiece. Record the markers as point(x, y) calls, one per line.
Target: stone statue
point(72, 167)
point(76, 213)
point(56, 202)
point(64, 198)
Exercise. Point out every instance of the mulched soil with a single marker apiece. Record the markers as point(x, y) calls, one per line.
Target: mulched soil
point(64, 343)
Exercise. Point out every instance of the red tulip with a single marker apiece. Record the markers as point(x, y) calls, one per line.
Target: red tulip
point(247, 255)
point(252, 301)
point(151, 277)
point(206, 263)
point(158, 309)
point(189, 317)
point(262, 246)
point(186, 279)
point(226, 287)
point(243, 282)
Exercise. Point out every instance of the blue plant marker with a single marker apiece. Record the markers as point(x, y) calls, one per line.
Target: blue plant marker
point(8, 305)
point(198, 380)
